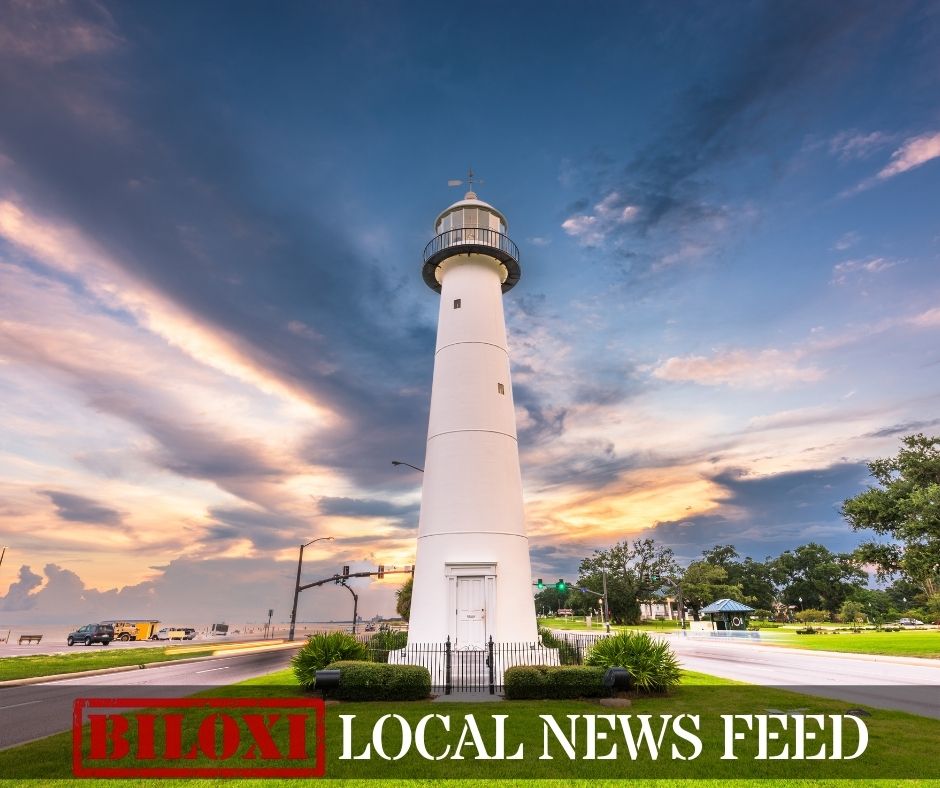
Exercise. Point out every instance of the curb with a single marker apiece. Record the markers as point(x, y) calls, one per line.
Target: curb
point(129, 668)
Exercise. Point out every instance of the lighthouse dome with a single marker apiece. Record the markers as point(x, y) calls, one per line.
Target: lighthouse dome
point(471, 226)
point(470, 212)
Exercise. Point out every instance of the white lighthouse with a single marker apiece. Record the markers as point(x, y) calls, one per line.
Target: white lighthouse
point(472, 577)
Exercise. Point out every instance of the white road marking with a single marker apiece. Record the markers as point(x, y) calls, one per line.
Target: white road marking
point(209, 670)
point(26, 703)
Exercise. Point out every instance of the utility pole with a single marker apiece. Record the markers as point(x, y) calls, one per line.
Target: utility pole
point(606, 603)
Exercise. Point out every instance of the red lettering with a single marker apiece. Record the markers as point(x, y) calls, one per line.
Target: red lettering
point(103, 735)
point(173, 740)
point(207, 737)
point(260, 731)
point(145, 737)
point(297, 736)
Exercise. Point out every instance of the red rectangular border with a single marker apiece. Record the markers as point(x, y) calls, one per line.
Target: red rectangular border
point(80, 704)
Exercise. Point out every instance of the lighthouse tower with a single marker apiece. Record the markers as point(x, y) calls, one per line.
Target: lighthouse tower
point(472, 577)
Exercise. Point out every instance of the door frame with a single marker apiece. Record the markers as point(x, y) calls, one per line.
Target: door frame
point(488, 572)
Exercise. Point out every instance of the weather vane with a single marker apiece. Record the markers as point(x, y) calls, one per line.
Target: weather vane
point(470, 181)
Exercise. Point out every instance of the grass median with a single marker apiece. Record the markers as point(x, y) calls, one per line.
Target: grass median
point(92, 659)
point(899, 750)
point(906, 643)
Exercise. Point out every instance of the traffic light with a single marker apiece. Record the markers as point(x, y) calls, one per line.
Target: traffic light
point(345, 571)
point(540, 584)
point(381, 571)
point(561, 586)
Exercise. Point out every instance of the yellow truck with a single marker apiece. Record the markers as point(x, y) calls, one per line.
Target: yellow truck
point(134, 629)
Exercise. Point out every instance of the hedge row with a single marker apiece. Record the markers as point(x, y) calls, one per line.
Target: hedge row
point(537, 682)
point(380, 681)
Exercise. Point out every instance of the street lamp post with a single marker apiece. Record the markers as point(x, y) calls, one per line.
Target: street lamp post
point(402, 462)
point(300, 561)
point(801, 603)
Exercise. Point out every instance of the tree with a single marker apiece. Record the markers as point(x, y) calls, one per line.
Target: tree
point(823, 579)
point(403, 599)
point(905, 508)
point(704, 582)
point(753, 577)
point(851, 612)
point(636, 572)
point(550, 599)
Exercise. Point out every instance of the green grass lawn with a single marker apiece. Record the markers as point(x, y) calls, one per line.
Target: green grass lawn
point(900, 744)
point(89, 658)
point(906, 643)
point(576, 623)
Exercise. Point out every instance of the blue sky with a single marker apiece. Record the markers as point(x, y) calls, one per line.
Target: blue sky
point(215, 335)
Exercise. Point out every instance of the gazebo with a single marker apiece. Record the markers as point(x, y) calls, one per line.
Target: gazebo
point(728, 614)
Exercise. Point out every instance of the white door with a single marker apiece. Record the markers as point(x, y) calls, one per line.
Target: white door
point(471, 612)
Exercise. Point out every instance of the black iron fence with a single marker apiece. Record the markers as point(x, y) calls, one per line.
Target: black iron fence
point(479, 668)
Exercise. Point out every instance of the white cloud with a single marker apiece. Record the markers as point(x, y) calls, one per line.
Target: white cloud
point(913, 153)
point(770, 368)
point(841, 272)
point(928, 319)
point(592, 229)
point(846, 241)
point(848, 145)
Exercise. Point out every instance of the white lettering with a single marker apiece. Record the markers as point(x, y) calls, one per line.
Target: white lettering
point(568, 745)
point(420, 743)
point(379, 729)
point(731, 735)
point(694, 740)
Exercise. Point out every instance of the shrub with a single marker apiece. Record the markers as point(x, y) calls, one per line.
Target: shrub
point(540, 682)
point(812, 614)
point(320, 650)
point(650, 662)
point(568, 653)
point(383, 642)
point(380, 681)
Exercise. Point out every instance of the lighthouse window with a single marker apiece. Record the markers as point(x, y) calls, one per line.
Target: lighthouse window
point(500, 388)
point(470, 217)
point(456, 303)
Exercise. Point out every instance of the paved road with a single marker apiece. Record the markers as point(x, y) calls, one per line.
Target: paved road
point(907, 684)
point(50, 646)
point(39, 710)
point(902, 683)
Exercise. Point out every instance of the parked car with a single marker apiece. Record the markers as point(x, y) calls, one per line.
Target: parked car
point(911, 622)
point(190, 633)
point(170, 633)
point(92, 633)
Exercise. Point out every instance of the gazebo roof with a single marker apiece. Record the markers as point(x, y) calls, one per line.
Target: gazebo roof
point(726, 606)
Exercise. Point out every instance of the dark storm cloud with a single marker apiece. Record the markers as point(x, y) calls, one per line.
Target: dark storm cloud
point(164, 188)
point(774, 513)
point(266, 530)
point(366, 507)
point(79, 509)
point(907, 428)
point(183, 446)
point(544, 421)
point(753, 108)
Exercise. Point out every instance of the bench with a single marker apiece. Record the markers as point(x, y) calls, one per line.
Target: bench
point(30, 638)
